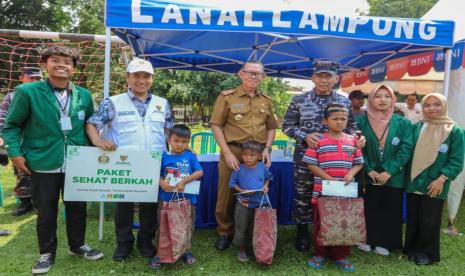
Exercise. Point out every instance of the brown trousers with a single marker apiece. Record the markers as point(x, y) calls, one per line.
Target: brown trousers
point(224, 211)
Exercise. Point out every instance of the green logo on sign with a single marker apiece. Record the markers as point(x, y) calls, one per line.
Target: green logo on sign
point(72, 152)
point(156, 155)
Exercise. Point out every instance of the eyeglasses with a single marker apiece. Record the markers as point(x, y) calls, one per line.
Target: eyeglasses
point(253, 74)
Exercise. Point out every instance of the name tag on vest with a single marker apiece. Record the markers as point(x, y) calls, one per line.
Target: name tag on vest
point(124, 113)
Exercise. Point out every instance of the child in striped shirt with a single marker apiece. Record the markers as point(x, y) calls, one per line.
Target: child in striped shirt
point(336, 157)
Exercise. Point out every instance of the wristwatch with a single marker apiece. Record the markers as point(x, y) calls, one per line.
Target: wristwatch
point(268, 148)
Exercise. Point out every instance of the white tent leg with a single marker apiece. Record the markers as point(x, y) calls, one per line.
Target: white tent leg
point(447, 72)
point(100, 221)
point(106, 94)
point(106, 80)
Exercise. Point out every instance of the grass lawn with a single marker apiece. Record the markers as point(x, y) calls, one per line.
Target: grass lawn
point(19, 251)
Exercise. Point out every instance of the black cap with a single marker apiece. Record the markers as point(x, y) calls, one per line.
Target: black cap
point(326, 67)
point(3, 157)
point(357, 94)
point(31, 72)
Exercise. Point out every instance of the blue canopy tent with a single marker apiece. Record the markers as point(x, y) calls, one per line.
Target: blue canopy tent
point(287, 36)
point(219, 36)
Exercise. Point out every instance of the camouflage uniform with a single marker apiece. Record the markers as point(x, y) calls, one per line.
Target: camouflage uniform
point(304, 116)
point(23, 181)
point(4, 108)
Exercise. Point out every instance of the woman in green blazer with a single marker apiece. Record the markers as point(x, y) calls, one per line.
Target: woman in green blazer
point(388, 149)
point(437, 159)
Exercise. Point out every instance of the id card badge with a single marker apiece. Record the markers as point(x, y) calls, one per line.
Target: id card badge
point(65, 123)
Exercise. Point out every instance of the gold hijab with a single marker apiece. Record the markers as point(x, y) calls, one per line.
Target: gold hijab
point(435, 132)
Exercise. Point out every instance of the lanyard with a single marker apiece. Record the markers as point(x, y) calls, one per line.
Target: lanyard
point(384, 133)
point(63, 108)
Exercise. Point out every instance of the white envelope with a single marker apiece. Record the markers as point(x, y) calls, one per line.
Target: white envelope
point(338, 188)
point(192, 187)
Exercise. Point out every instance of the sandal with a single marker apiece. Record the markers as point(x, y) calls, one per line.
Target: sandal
point(345, 265)
point(316, 262)
point(452, 231)
point(189, 258)
point(242, 256)
point(155, 263)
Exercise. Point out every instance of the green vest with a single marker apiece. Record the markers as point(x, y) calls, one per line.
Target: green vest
point(449, 162)
point(32, 127)
point(397, 150)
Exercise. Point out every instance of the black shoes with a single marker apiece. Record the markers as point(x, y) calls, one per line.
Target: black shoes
point(45, 261)
point(223, 242)
point(412, 258)
point(146, 249)
point(422, 259)
point(86, 252)
point(43, 264)
point(302, 238)
point(122, 251)
point(23, 208)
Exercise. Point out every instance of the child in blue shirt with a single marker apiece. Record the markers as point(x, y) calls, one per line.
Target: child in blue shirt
point(251, 181)
point(179, 167)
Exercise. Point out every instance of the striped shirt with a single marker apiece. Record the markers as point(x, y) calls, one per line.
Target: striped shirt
point(335, 157)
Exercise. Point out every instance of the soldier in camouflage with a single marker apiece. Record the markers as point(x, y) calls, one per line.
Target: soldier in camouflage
point(303, 122)
point(23, 181)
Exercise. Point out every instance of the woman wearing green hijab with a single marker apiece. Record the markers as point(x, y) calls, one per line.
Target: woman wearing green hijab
point(438, 158)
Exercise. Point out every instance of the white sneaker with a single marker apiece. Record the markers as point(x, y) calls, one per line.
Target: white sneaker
point(381, 251)
point(364, 247)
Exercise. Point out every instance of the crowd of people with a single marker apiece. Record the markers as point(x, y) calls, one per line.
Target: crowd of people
point(419, 154)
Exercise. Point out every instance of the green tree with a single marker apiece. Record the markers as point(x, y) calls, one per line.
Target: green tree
point(276, 89)
point(42, 15)
point(89, 17)
point(400, 8)
point(195, 89)
point(199, 90)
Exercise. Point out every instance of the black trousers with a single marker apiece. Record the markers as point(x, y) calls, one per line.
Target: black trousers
point(424, 216)
point(45, 191)
point(243, 225)
point(383, 216)
point(124, 217)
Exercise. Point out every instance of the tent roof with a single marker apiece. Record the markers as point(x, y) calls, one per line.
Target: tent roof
point(449, 10)
point(220, 35)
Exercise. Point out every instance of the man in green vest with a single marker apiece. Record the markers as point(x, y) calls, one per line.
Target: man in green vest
point(43, 119)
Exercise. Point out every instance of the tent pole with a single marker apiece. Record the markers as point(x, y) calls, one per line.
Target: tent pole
point(447, 72)
point(106, 80)
point(106, 94)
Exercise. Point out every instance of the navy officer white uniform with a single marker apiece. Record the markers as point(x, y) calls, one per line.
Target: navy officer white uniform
point(136, 119)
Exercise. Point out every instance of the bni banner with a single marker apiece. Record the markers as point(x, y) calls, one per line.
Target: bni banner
point(113, 176)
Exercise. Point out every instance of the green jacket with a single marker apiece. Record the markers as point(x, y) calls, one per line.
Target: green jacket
point(449, 162)
point(32, 127)
point(397, 150)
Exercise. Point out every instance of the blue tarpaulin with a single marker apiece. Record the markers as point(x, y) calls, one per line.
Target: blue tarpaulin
point(219, 35)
